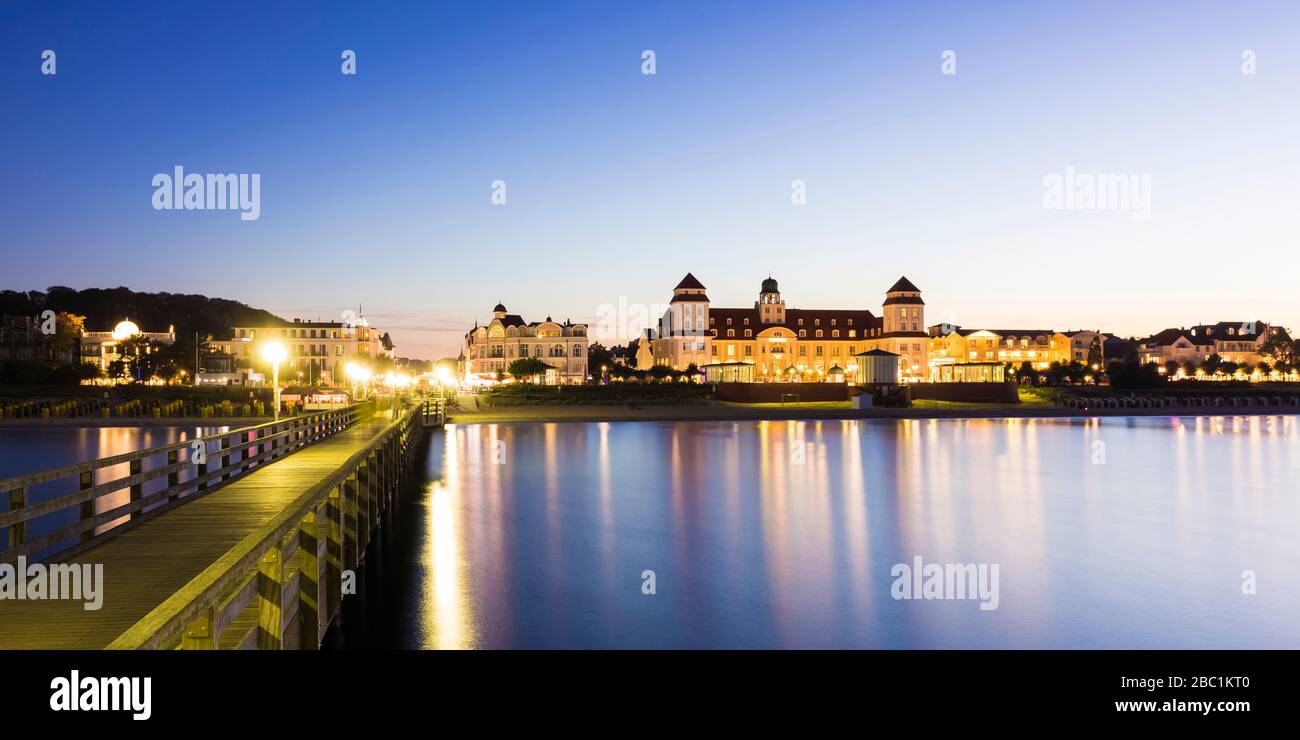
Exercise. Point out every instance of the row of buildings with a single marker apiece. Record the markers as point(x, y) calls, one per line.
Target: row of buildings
point(316, 352)
point(770, 341)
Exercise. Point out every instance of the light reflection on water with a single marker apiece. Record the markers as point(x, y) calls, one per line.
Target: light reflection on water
point(756, 543)
point(782, 534)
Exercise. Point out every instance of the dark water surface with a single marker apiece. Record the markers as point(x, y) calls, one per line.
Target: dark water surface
point(1106, 533)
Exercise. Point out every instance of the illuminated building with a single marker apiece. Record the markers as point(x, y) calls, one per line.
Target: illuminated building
point(1039, 347)
point(789, 344)
point(317, 350)
point(489, 349)
point(101, 348)
point(1233, 341)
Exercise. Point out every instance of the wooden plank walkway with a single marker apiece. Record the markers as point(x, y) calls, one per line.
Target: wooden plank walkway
point(146, 564)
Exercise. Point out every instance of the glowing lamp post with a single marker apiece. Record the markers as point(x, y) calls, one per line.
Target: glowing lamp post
point(351, 371)
point(358, 374)
point(273, 352)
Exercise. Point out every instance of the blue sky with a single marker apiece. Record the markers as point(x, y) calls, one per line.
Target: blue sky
point(375, 188)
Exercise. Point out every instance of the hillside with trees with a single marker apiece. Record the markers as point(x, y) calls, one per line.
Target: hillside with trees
point(100, 309)
point(105, 307)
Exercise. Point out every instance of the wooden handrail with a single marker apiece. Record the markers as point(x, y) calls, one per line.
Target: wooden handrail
point(199, 611)
point(104, 462)
point(271, 439)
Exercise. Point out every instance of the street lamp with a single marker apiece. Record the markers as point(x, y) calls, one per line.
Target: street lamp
point(443, 376)
point(358, 373)
point(351, 371)
point(273, 352)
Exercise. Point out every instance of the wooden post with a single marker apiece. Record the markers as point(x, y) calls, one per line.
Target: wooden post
point(225, 458)
point(389, 477)
point(334, 553)
point(173, 478)
point(350, 522)
point(248, 437)
point(202, 632)
point(202, 470)
point(18, 530)
point(363, 507)
point(376, 471)
point(385, 476)
point(137, 489)
point(87, 507)
point(270, 588)
point(309, 574)
point(395, 446)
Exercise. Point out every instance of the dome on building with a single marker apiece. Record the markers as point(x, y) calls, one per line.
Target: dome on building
point(769, 286)
point(499, 309)
point(125, 330)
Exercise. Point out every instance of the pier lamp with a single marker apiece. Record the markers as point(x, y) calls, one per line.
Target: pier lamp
point(273, 352)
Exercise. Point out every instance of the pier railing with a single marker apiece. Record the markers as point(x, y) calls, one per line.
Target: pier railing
point(282, 584)
point(210, 461)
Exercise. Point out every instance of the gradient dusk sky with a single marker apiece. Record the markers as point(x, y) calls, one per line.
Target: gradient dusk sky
point(375, 188)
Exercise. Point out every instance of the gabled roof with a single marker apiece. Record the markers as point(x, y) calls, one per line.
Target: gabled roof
point(690, 282)
point(1169, 336)
point(904, 286)
point(1237, 330)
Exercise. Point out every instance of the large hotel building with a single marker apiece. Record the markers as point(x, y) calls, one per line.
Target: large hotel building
point(489, 349)
point(790, 344)
point(319, 351)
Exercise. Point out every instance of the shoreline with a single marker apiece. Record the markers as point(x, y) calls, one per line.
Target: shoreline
point(794, 412)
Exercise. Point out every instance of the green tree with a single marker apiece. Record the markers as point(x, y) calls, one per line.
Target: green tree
point(141, 356)
point(598, 356)
point(1095, 352)
point(525, 368)
point(1279, 347)
point(1027, 373)
point(1212, 364)
point(67, 332)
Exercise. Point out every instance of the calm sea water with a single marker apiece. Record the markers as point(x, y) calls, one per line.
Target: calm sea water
point(1118, 533)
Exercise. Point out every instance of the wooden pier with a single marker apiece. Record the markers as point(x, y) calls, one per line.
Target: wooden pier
point(249, 552)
